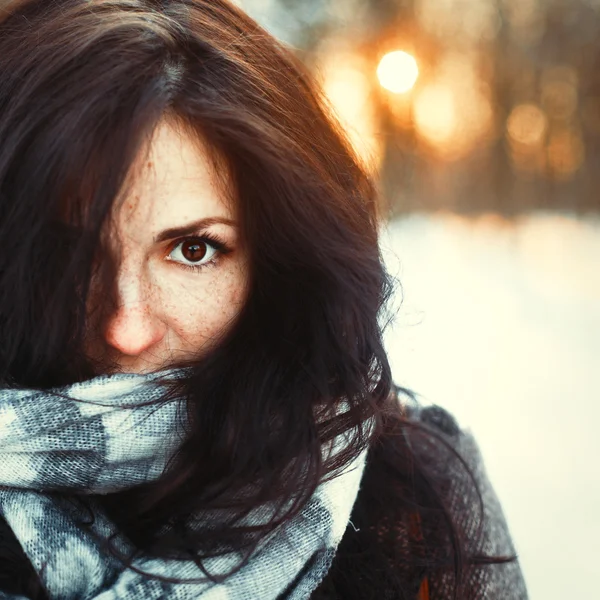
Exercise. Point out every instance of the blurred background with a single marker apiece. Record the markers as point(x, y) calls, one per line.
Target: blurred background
point(481, 121)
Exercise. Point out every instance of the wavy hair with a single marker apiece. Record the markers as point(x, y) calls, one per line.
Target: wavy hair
point(83, 84)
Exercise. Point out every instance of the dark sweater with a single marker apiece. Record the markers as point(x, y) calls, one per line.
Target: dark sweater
point(355, 573)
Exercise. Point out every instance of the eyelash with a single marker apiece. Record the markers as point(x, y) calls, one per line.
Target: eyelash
point(219, 245)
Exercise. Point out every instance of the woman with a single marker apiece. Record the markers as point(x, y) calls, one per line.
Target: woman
point(190, 249)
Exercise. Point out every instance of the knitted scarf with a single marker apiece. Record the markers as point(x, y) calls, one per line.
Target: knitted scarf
point(49, 441)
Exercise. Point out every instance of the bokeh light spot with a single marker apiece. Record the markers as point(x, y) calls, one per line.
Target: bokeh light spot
point(452, 113)
point(435, 113)
point(348, 91)
point(565, 153)
point(398, 71)
point(527, 125)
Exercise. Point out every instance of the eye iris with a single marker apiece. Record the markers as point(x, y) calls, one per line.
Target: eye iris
point(193, 250)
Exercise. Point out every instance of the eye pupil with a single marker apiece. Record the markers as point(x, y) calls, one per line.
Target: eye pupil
point(193, 250)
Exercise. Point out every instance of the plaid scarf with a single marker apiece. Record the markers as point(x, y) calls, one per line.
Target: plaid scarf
point(49, 441)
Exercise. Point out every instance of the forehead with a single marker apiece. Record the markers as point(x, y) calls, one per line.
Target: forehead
point(176, 179)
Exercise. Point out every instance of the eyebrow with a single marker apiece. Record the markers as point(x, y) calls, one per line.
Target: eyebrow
point(190, 228)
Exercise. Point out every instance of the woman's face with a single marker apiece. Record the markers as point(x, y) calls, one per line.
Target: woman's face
point(180, 268)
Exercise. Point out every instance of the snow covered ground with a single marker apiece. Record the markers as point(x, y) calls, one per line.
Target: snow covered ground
point(500, 324)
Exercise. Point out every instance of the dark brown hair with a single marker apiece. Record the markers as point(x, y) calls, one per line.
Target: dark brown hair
point(83, 83)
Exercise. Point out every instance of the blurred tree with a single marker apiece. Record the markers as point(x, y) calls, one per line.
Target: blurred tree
point(505, 114)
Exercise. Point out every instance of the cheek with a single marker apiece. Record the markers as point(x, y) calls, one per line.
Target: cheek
point(204, 306)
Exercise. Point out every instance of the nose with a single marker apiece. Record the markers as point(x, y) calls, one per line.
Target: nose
point(134, 326)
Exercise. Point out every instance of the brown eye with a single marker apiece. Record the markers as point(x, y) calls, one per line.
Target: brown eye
point(193, 250)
